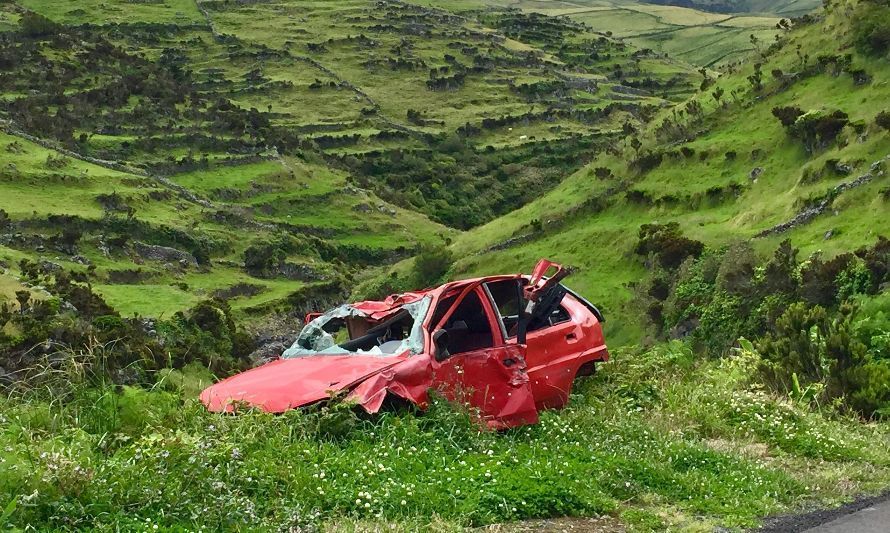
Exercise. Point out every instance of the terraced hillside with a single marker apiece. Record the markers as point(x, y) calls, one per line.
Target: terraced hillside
point(730, 224)
point(179, 150)
point(732, 165)
point(703, 34)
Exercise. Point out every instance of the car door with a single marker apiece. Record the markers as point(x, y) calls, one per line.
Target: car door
point(552, 347)
point(481, 369)
point(552, 357)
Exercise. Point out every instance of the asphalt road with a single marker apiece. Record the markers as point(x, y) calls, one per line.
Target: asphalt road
point(868, 514)
point(872, 519)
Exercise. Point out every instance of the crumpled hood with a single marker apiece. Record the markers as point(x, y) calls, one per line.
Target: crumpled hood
point(288, 383)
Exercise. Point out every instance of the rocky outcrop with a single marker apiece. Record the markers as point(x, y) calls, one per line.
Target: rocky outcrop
point(166, 254)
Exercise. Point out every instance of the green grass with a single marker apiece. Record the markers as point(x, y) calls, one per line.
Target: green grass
point(117, 11)
point(147, 299)
point(599, 243)
point(152, 458)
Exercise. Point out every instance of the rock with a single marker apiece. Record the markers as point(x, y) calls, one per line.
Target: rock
point(755, 173)
point(684, 328)
point(829, 234)
point(164, 253)
point(843, 168)
point(269, 351)
point(49, 266)
point(299, 272)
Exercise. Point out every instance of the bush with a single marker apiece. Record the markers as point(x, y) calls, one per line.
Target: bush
point(883, 120)
point(36, 25)
point(871, 27)
point(667, 243)
point(809, 346)
point(431, 263)
point(787, 115)
point(815, 128)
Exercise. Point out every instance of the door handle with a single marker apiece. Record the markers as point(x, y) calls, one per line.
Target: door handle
point(570, 337)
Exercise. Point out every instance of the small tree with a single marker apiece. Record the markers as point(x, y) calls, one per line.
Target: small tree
point(718, 95)
point(787, 115)
point(756, 79)
point(23, 297)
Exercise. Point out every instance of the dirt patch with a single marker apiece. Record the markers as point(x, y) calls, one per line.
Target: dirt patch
point(559, 525)
point(756, 450)
point(239, 289)
point(129, 276)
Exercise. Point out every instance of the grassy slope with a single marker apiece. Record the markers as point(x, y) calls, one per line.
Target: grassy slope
point(600, 243)
point(327, 205)
point(660, 440)
point(302, 192)
point(657, 440)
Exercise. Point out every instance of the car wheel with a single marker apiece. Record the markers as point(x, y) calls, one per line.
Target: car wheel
point(587, 369)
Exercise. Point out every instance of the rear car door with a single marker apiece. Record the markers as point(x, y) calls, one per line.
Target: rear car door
point(482, 370)
point(553, 357)
point(552, 347)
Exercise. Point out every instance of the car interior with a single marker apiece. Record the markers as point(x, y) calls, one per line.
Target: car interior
point(388, 335)
point(507, 296)
point(468, 327)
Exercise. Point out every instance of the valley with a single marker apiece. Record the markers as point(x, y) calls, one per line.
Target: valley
point(182, 181)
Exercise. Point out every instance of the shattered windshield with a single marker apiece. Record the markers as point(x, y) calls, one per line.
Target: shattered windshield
point(346, 330)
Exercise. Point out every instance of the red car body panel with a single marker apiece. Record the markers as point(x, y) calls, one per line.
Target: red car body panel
point(288, 383)
point(507, 383)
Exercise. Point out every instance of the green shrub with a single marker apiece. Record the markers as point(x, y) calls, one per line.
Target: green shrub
point(811, 346)
point(36, 25)
point(883, 120)
point(871, 26)
point(667, 243)
point(431, 263)
point(818, 128)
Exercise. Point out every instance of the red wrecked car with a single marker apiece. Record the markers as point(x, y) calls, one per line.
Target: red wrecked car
point(507, 345)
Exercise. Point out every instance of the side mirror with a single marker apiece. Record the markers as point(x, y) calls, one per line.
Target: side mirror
point(440, 345)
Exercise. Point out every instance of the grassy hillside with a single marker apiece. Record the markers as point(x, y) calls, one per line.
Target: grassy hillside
point(215, 168)
point(284, 146)
point(725, 173)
